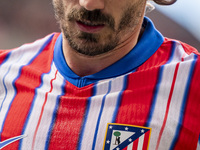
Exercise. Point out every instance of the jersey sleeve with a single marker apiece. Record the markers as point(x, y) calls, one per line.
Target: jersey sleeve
point(4, 54)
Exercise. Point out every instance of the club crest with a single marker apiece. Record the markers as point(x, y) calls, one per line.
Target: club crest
point(126, 137)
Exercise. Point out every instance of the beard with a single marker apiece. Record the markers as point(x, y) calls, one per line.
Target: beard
point(89, 44)
point(92, 44)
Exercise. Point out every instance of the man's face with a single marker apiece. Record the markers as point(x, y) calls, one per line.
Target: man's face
point(101, 30)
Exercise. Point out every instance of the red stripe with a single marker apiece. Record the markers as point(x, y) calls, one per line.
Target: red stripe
point(146, 140)
point(188, 49)
point(70, 116)
point(135, 144)
point(25, 87)
point(169, 102)
point(168, 105)
point(190, 129)
point(135, 105)
point(45, 101)
point(3, 55)
point(159, 58)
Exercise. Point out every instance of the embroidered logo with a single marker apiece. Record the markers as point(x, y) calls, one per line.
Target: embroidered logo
point(11, 140)
point(126, 137)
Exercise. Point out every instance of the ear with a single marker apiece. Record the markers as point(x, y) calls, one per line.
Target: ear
point(165, 2)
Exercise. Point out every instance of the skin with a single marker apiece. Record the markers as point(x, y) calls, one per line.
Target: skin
point(88, 52)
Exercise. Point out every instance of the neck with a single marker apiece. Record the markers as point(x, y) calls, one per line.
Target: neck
point(84, 65)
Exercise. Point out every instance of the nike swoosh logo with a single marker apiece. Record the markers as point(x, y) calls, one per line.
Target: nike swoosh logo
point(11, 140)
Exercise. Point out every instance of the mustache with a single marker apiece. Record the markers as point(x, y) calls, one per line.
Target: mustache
point(95, 16)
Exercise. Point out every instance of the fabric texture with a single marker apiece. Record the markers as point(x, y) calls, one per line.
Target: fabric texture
point(156, 85)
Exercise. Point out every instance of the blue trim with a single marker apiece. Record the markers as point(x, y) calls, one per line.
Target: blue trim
point(60, 61)
point(182, 112)
point(33, 102)
point(160, 74)
point(12, 82)
point(86, 117)
point(84, 123)
point(100, 114)
point(150, 41)
point(199, 140)
point(173, 52)
point(9, 141)
point(155, 97)
point(6, 58)
point(6, 90)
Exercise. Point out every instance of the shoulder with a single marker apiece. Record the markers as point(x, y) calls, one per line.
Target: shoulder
point(30, 49)
point(181, 54)
point(179, 46)
point(184, 53)
point(183, 61)
point(38, 42)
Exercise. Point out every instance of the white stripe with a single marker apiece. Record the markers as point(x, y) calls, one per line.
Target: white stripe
point(176, 103)
point(107, 114)
point(17, 59)
point(198, 146)
point(179, 52)
point(93, 114)
point(130, 146)
point(141, 142)
point(109, 108)
point(162, 96)
point(48, 114)
point(161, 103)
point(37, 108)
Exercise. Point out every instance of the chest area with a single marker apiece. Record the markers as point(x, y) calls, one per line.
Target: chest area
point(63, 112)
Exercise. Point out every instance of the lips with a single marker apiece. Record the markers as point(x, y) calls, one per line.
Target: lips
point(89, 27)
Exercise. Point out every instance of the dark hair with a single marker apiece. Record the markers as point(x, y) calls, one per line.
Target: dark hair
point(165, 2)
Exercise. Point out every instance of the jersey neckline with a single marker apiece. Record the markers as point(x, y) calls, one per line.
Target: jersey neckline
point(150, 41)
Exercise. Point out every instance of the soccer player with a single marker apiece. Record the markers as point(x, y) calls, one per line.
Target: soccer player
point(109, 75)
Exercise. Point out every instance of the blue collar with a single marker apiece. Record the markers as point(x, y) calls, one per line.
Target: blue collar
point(145, 48)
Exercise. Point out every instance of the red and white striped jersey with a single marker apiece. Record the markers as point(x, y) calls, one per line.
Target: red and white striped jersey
point(149, 99)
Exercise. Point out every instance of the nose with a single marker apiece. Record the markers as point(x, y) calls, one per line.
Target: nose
point(92, 4)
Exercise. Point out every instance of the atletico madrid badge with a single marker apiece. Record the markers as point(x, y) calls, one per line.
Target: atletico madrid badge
point(126, 137)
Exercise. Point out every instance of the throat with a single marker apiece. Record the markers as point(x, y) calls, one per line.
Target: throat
point(84, 65)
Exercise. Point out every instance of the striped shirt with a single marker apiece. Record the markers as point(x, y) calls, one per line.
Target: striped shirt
point(48, 107)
